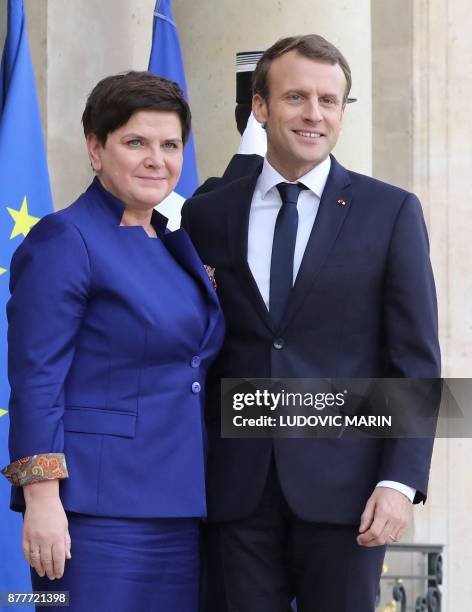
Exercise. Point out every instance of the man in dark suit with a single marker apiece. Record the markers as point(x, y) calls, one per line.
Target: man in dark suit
point(321, 273)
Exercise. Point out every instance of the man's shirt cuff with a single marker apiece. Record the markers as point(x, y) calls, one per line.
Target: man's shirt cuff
point(398, 486)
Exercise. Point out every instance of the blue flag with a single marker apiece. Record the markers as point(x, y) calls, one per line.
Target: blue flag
point(25, 196)
point(166, 61)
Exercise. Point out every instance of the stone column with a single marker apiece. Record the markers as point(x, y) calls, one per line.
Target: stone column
point(422, 136)
point(37, 22)
point(443, 159)
point(211, 34)
point(3, 22)
point(74, 45)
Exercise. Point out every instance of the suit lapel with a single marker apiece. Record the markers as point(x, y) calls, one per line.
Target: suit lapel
point(237, 230)
point(334, 207)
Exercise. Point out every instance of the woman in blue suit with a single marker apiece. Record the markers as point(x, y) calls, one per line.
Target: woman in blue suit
point(113, 323)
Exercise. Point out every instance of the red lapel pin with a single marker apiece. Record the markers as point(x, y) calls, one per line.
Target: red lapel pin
point(341, 202)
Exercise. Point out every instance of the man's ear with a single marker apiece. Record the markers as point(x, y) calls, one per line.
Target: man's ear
point(94, 148)
point(260, 109)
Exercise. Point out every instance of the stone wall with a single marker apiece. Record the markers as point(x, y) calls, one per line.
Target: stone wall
point(211, 34)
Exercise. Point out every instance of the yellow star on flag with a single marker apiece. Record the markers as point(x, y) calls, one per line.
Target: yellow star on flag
point(23, 220)
point(2, 271)
point(3, 412)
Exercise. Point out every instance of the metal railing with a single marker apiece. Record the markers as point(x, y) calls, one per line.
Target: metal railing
point(418, 592)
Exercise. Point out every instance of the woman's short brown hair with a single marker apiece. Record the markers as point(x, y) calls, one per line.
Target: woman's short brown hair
point(115, 98)
point(312, 46)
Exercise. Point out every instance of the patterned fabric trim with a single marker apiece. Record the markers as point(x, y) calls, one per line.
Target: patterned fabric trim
point(211, 275)
point(48, 466)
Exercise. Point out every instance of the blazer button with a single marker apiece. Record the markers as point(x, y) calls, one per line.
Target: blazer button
point(279, 344)
point(196, 387)
point(195, 361)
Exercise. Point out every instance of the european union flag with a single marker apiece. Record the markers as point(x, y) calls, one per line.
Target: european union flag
point(166, 61)
point(25, 196)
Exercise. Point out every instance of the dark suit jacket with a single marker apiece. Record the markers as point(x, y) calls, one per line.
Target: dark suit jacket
point(363, 305)
point(239, 166)
point(110, 337)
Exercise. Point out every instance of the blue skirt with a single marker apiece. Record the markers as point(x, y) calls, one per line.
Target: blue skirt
point(126, 565)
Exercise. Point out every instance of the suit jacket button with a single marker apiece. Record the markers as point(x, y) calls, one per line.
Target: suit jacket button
point(195, 361)
point(279, 344)
point(196, 387)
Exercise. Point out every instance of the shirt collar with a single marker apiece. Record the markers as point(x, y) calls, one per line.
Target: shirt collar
point(315, 179)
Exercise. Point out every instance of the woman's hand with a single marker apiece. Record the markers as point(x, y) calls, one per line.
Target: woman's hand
point(46, 540)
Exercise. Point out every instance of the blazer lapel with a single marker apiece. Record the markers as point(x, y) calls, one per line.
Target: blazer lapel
point(180, 246)
point(237, 230)
point(334, 207)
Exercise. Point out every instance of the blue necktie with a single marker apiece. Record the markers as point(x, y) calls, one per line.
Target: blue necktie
point(283, 248)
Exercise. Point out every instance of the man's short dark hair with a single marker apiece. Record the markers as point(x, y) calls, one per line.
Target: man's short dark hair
point(312, 46)
point(115, 98)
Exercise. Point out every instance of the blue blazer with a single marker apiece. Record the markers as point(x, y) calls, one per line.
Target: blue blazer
point(363, 305)
point(110, 337)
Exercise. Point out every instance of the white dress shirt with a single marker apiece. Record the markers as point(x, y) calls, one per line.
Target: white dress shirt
point(265, 205)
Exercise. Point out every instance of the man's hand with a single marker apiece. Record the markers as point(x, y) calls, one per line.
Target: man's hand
point(46, 540)
point(385, 517)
